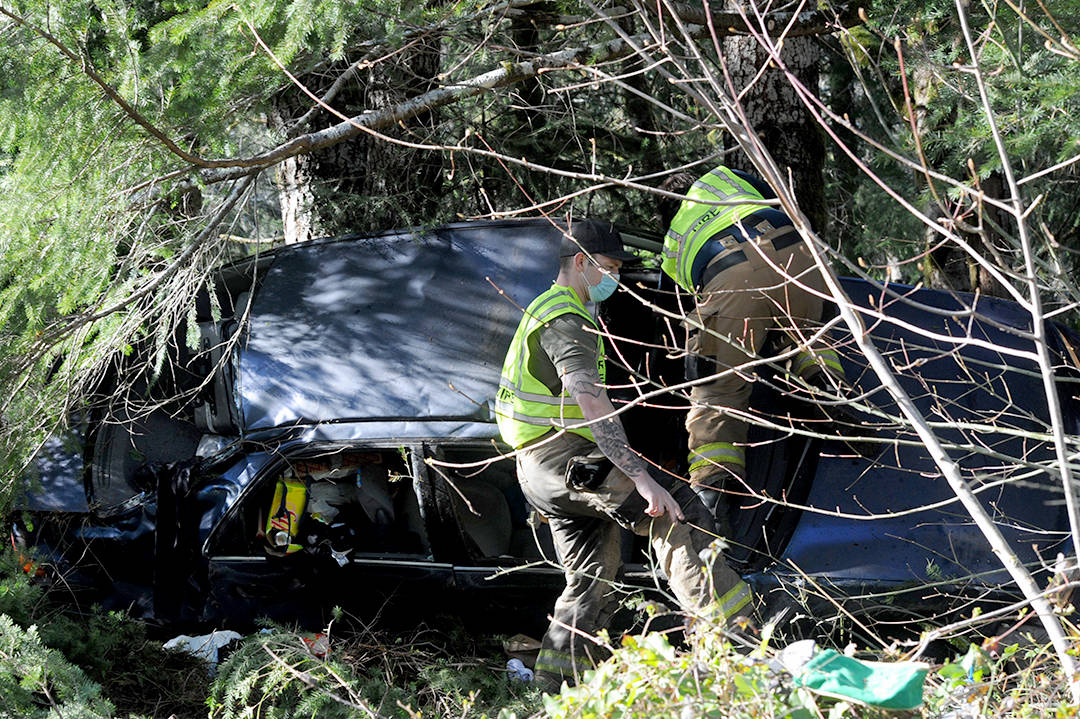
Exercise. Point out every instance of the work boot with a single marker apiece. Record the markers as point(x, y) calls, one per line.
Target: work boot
point(740, 631)
point(548, 682)
point(717, 503)
point(788, 617)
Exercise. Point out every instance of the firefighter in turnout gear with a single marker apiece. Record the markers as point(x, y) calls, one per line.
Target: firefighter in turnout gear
point(577, 470)
point(749, 274)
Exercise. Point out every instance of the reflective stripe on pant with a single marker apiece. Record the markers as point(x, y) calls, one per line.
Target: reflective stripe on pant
point(558, 664)
point(806, 364)
point(734, 601)
point(714, 453)
point(738, 308)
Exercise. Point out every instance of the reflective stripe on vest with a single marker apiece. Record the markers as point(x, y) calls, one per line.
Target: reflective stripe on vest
point(696, 222)
point(524, 407)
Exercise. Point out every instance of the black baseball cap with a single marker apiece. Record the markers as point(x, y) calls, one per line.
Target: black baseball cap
point(594, 237)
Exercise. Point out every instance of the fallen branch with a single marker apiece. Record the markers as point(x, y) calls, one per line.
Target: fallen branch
point(787, 24)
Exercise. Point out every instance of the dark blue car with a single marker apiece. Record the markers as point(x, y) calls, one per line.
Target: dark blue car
point(344, 451)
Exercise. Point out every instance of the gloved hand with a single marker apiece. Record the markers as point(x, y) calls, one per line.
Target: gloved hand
point(717, 504)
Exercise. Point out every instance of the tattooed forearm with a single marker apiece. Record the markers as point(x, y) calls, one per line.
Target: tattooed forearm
point(611, 439)
point(583, 382)
point(588, 392)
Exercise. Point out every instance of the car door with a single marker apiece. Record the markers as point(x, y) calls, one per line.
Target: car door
point(359, 540)
point(502, 554)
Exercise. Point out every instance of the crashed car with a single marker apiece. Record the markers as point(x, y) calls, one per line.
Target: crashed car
point(344, 452)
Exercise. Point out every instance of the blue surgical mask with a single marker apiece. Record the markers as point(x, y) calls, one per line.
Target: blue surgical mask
point(604, 288)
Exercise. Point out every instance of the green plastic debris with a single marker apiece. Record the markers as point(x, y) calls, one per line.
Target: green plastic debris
point(888, 685)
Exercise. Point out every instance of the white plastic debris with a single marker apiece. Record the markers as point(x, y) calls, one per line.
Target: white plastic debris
point(518, 671)
point(794, 656)
point(205, 646)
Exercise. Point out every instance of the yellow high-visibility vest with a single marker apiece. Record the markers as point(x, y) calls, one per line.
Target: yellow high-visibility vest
point(695, 222)
point(525, 408)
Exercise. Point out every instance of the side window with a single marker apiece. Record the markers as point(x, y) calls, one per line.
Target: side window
point(496, 521)
point(341, 504)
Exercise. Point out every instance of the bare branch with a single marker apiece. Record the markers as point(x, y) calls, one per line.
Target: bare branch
point(1023, 580)
point(508, 74)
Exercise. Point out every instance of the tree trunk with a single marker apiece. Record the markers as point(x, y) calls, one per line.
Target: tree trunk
point(299, 223)
point(777, 115)
point(366, 184)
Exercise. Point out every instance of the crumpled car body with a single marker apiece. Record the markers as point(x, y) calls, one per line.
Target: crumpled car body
point(345, 452)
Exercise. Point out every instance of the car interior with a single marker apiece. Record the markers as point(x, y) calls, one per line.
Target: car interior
point(340, 503)
point(497, 524)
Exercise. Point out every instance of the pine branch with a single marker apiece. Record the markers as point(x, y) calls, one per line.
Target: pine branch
point(108, 90)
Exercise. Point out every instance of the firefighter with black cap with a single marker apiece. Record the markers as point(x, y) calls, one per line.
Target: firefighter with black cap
point(577, 469)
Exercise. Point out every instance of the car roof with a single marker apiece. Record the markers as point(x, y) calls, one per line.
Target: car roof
point(409, 325)
point(413, 325)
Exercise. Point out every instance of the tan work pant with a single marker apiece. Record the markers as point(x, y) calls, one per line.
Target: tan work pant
point(585, 526)
point(773, 290)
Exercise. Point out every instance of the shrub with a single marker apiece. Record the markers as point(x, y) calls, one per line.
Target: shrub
point(94, 653)
point(647, 676)
point(36, 681)
point(276, 675)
